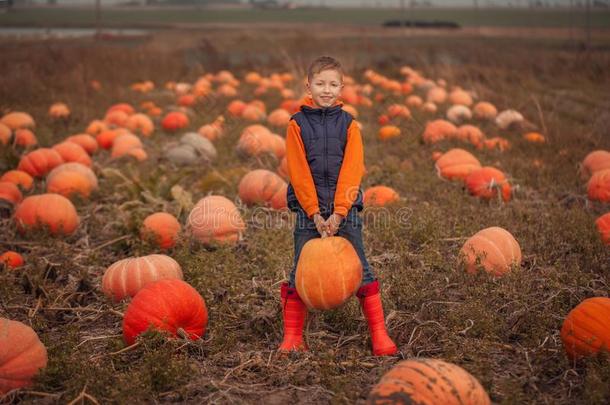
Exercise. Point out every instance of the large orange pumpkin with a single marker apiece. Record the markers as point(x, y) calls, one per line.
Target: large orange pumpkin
point(22, 355)
point(19, 178)
point(53, 211)
point(72, 152)
point(162, 227)
point(175, 121)
point(487, 183)
point(72, 178)
point(603, 227)
point(127, 276)
point(216, 219)
point(598, 188)
point(456, 164)
point(595, 161)
point(40, 161)
point(586, 330)
point(428, 382)
point(378, 196)
point(494, 249)
point(263, 187)
point(166, 305)
point(324, 284)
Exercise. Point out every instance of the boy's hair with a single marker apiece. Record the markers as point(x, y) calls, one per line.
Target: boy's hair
point(323, 63)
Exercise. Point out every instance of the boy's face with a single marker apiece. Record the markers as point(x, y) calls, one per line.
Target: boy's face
point(325, 87)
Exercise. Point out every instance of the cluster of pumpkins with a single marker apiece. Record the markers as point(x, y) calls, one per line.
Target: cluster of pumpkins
point(154, 284)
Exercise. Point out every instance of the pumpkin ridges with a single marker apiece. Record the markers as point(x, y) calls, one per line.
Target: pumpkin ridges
point(585, 337)
point(490, 244)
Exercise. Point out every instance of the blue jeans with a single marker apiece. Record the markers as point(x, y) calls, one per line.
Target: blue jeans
point(350, 228)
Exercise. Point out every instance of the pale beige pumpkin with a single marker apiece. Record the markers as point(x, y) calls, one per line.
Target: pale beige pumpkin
point(494, 249)
point(216, 219)
point(127, 276)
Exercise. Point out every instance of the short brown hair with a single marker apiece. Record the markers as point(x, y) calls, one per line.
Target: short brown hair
point(323, 63)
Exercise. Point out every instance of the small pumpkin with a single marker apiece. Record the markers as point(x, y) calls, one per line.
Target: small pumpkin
point(166, 305)
point(414, 101)
point(586, 330)
point(456, 164)
point(11, 259)
point(10, 193)
point(85, 141)
point(324, 287)
point(459, 96)
point(53, 211)
point(508, 119)
point(116, 118)
point(494, 249)
point(594, 162)
point(279, 118)
point(175, 121)
point(436, 95)
point(5, 134)
point(438, 130)
point(17, 120)
point(534, 137)
point(213, 131)
point(470, 134)
point(22, 355)
point(487, 183)
point(598, 188)
point(603, 227)
point(140, 124)
point(485, 111)
point(215, 219)
point(72, 178)
point(459, 113)
point(126, 277)
point(25, 138)
point(72, 152)
point(428, 382)
point(40, 161)
point(388, 132)
point(18, 178)
point(162, 227)
point(59, 111)
point(95, 127)
point(379, 196)
point(122, 144)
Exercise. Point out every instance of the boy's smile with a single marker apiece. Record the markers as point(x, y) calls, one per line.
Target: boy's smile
point(325, 87)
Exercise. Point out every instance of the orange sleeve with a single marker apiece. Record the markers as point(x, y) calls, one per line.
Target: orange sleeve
point(351, 172)
point(298, 170)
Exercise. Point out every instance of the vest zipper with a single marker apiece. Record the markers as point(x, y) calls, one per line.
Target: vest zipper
point(326, 159)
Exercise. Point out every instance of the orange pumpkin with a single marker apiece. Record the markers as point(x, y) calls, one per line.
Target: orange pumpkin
point(471, 134)
point(215, 219)
point(534, 137)
point(236, 108)
point(398, 110)
point(460, 97)
point(603, 227)
point(438, 130)
point(116, 118)
point(436, 95)
point(456, 164)
point(72, 178)
point(22, 355)
point(279, 118)
point(140, 124)
point(72, 152)
point(252, 112)
point(85, 141)
point(487, 183)
point(429, 108)
point(598, 188)
point(127, 276)
point(95, 127)
point(263, 187)
point(124, 143)
point(484, 110)
point(214, 130)
point(106, 138)
point(321, 287)
point(59, 111)
point(282, 169)
point(10, 192)
point(175, 121)
point(5, 134)
point(17, 120)
point(19, 178)
point(162, 227)
point(388, 131)
point(53, 211)
point(594, 162)
point(40, 161)
point(256, 140)
point(123, 107)
point(586, 331)
point(379, 196)
point(414, 101)
point(494, 249)
point(187, 100)
point(425, 381)
point(497, 142)
point(138, 153)
point(11, 259)
point(24, 138)
point(169, 305)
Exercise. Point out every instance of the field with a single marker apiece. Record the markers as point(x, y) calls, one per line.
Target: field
point(176, 16)
point(504, 331)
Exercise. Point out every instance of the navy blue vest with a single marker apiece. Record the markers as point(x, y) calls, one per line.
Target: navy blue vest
point(324, 135)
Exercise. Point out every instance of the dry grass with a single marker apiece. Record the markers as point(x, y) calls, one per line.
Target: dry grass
point(504, 331)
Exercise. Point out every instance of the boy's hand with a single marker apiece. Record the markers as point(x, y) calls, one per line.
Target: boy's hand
point(333, 222)
point(321, 225)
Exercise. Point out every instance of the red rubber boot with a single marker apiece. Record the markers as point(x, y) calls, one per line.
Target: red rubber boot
point(370, 300)
point(295, 312)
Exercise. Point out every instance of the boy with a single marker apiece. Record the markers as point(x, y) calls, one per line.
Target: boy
point(325, 164)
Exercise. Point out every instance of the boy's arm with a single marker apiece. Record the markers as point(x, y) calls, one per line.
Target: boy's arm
point(351, 172)
point(298, 170)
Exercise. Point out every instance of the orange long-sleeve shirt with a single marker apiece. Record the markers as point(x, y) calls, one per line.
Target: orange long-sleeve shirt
point(350, 175)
